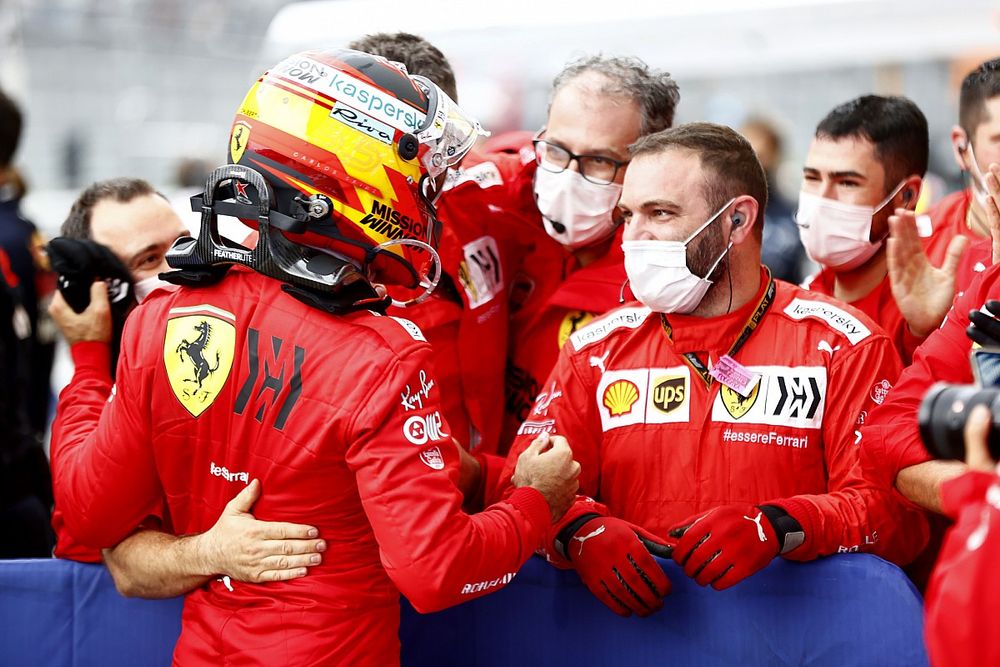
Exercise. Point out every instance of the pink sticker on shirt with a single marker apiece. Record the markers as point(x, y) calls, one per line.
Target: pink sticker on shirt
point(734, 375)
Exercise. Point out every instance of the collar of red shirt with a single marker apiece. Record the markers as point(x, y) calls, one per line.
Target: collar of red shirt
point(714, 335)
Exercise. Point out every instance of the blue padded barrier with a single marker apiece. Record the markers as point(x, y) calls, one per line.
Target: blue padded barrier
point(846, 610)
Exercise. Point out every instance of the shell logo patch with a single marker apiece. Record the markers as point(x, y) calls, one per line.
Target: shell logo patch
point(198, 354)
point(619, 397)
point(238, 140)
point(626, 397)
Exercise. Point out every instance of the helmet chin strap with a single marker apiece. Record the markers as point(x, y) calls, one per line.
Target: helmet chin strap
point(428, 183)
point(429, 280)
point(205, 260)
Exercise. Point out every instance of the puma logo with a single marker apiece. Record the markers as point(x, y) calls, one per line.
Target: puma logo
point(583, 539)
point(598, 362)
point(825, 347)
point(760, 528)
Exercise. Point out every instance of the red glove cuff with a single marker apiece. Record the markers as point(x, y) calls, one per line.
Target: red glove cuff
point(808, 518)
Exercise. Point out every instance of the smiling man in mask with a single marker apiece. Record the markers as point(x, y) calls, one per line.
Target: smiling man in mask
point(866, 161)
point(718, 413)
point(563, 191)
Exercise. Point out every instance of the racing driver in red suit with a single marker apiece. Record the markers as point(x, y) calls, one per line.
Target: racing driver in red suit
point(466, 318)
point(276, 364)
point(720, 413)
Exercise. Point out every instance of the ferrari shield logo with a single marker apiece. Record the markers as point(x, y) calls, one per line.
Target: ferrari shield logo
point(198, 354)
point(737, 405)
point(238, 141)
point(573, 322)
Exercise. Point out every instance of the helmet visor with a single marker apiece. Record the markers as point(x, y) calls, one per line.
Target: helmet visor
point(448, 132)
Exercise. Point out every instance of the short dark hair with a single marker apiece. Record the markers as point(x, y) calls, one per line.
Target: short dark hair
point(11, 121)
point(895, 125)
point(981, 85)
point(420, 56)
point(122, 190)
point(730, 164)
point(653, 90)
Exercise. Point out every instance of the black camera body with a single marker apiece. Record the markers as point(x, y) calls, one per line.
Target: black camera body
point(78, 263)
point(943, 414)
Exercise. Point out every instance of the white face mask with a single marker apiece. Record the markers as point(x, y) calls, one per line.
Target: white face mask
point(836, 234)
point(659, 275)
point(144, 287)
point(575, 211)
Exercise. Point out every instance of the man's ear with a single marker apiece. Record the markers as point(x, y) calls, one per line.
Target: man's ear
point(910, 193)
point(960, 147)
point(743, 218)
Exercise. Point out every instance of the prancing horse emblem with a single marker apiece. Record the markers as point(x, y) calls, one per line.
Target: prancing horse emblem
point(198, 352)
point(195, 351)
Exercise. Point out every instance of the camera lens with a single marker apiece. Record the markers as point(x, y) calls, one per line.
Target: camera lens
point(943, 414)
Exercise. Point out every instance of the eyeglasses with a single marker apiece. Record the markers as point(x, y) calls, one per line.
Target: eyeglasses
point(595, 168)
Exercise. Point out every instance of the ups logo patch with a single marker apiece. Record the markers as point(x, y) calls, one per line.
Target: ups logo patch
point(198, 354)
point(669, 393)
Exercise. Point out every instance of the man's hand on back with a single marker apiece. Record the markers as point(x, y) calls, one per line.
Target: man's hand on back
point(246, 549)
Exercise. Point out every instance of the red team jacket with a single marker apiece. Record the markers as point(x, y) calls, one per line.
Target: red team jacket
point(977, 258)
point(948, 220)
point(963, 599)
point(551, 294)
point(880, 306)
point(340, 420)
point(892, 434)
point(658, 445)
point(566, 299)
point(466, 319)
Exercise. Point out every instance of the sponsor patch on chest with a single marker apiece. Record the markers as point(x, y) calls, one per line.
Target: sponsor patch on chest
point(785, 396)
point(837, 318)
point(630, 318)
point(644, 396)
point(480, 272)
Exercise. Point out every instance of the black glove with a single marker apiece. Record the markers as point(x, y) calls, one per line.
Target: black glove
point(984, 328)
point(79, 262)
